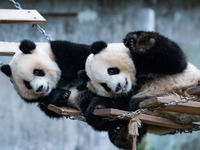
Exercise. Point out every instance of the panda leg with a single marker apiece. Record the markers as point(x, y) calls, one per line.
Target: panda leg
point(120, 137)
point(97, 122)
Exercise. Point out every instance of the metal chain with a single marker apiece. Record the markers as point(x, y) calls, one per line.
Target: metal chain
point(145, 110)
point(39, 28)
point(80, 118)
point(16, 4)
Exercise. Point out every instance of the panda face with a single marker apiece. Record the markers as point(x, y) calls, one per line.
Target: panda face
point(34, 75)
point(111, 71)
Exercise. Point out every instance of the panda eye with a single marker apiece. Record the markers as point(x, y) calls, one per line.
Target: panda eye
point(38, 72)
point(113, 71)
point(27, 84)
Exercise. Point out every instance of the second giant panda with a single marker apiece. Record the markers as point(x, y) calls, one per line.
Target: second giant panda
point(158, 68)
point(47, 73)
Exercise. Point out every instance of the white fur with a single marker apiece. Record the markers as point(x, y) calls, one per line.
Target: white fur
point(114, 55)
point(22, 66)
point(171, 85)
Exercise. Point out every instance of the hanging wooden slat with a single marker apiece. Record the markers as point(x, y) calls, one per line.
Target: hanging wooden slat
point(191, 107)
point(64, 111)
point(10, 48)
point(194, 90)
point(15, 16)
point(147, 119)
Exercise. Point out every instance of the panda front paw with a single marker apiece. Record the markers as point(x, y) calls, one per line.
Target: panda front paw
point(59, 97)
point(139, 41)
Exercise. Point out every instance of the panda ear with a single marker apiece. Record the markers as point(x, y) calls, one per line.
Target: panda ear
point(27, 46)
point(96, 47)
point(7, 70)
point(83, 75)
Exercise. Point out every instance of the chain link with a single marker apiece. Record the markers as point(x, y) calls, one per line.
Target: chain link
point(80, 118)
point(129, 114)
point(39, 28)
point(145, 110)
point(16, 4)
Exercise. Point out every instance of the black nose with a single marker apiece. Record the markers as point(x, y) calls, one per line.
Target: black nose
point(118, 87)
point(40, 88)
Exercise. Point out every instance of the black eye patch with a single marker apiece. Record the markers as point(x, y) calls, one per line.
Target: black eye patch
point(38, 72)
point(27, 84)
point(113, 71)
point(104, 85)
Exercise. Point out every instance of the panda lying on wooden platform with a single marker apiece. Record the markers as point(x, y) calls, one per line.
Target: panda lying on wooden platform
point(47, 73)
point(149, 65)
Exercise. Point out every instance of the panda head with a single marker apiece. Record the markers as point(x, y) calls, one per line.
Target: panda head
point(110, 69)
point(33, 70)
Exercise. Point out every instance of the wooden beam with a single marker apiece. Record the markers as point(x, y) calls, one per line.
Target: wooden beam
point(15, 16)
point(10, 48)
point(194, 90)
point(146, 119)
point(191, 107)
point(64, 111)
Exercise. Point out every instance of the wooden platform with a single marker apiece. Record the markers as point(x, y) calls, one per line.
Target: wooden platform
point(14, 16)
point(191, 107)
point(146, 119)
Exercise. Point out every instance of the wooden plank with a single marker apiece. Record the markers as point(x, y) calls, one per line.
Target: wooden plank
point(10, 48)
point(191, 107)
point(194, 90)
point(146, 119)
point(15, 16)
point(64, 111)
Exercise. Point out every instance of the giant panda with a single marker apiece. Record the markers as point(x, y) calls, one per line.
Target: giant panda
point(158, 68)
point(47, 73)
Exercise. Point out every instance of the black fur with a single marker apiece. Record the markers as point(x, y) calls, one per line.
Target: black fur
point(89, 104)
point(151, 53)
point(162, 56)
point(27, 46)
point(96, 47)
point(120, 137)
point(7, 70)
point(70, 58)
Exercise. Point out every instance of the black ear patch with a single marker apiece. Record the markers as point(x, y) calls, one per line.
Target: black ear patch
point(7, 70)
point(96, 47)
point(27, 46)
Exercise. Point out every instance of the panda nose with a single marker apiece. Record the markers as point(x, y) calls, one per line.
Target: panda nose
point(40, 88)
point(118, 87)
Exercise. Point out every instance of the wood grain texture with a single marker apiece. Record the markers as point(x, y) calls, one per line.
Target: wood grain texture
point(146, 119)
point(191, 107)
point(64, 111)
point(194, 90)
point(14, 16)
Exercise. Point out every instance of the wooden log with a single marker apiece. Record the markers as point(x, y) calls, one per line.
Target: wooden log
point(191, 107)
point(146, 119)
point(15, 16)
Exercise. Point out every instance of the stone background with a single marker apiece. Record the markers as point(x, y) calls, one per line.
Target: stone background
point(24, 127)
